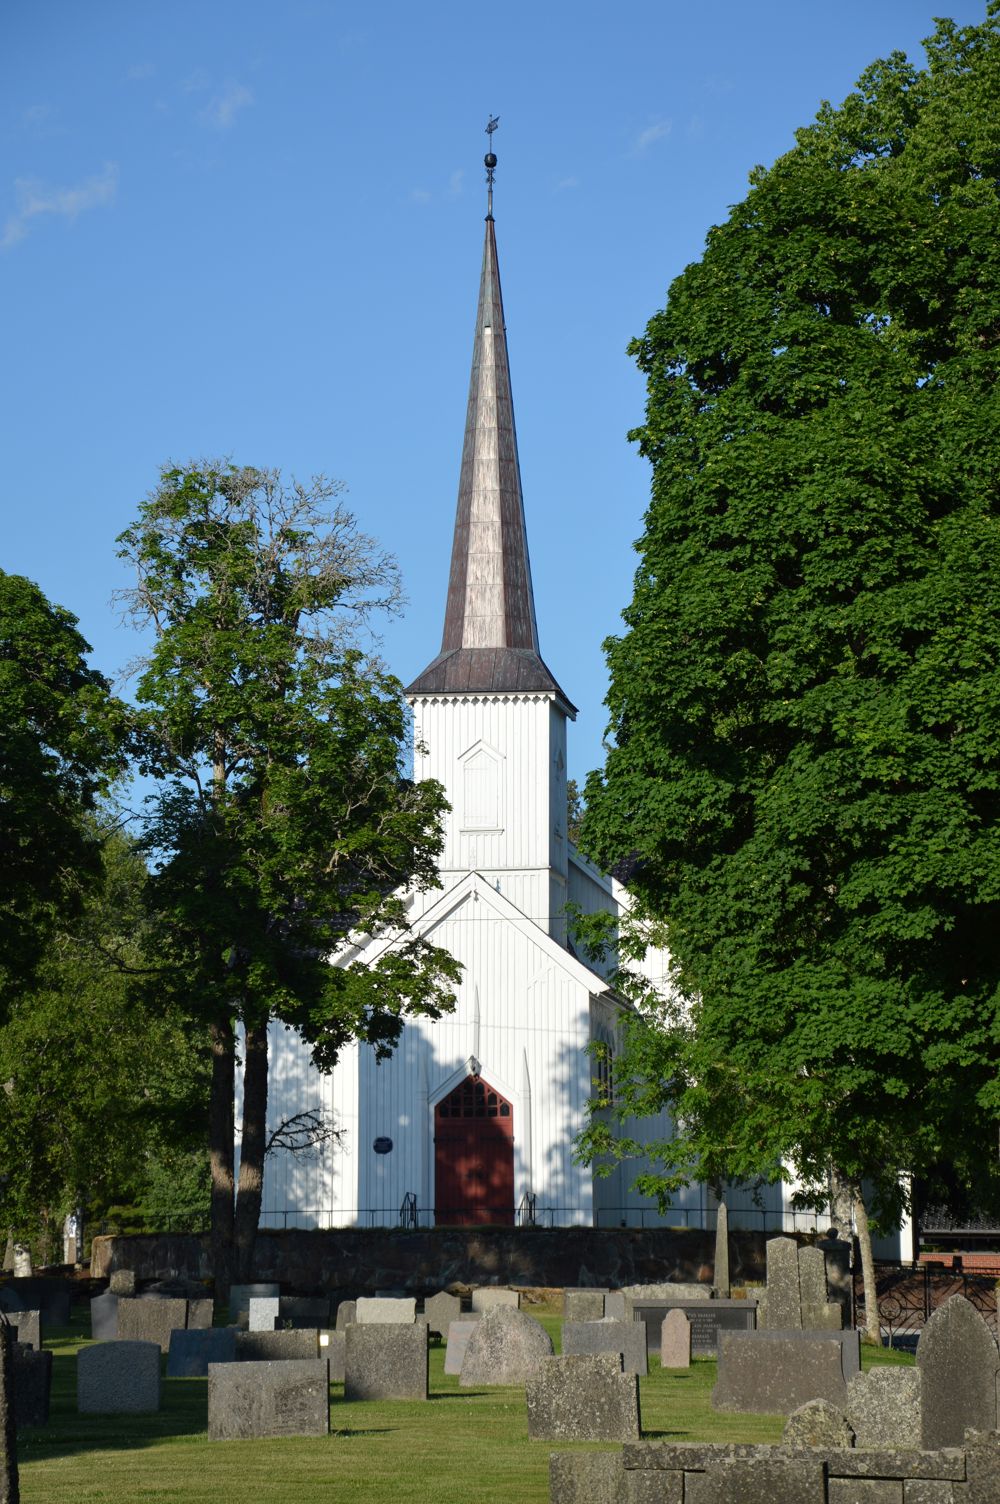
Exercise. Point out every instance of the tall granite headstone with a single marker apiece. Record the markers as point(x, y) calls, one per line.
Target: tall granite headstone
point(720, 1274)
point(784, 1301)
point(9, 1488)
point(958, 1360)
point(675, 1341)
point(839, 1276)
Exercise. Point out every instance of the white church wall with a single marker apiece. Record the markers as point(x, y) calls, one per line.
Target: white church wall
point(589, 890)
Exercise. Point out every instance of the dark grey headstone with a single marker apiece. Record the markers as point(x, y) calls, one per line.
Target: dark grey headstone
point(193, 1350)
point(38, 1293)
point(582, 1398)
point(333, 1347)
point(839, 1277)
point(459, 1333)
point(118, 1378)
point(383, 1361)
point(850, 1344)
point(753, 1480)
point(440, 1310)
point(27, 1328)
point(626, 1338)
point(251, 1400)
point(32, 1386)
point(707, 1319)
point(883, 1407)
point(347, 1312)
point(776, 1376)
point(784, 1301)
point(599, 1478)
point(817, 1423)
point(142, 1320)
point(958, 1361)
point(104, 1317)
point(506, 1347)
point(9, 1489)
point(303, 1310)
point(298, 1344)
point(616, 1306)
point(720, 1272)
point(583, 1305)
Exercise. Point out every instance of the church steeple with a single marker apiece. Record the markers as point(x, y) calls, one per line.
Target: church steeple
point(490, 641)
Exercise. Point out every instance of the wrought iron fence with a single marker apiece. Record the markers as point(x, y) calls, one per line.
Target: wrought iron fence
point(907, 1294)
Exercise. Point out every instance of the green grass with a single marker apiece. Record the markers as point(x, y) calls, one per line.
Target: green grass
point(461, 1447)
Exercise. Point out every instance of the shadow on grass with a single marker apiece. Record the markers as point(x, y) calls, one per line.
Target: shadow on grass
point(459, 1394)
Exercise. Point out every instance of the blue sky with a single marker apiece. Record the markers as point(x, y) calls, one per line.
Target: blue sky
point(255, 230)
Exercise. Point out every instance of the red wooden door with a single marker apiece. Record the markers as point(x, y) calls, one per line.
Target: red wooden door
point(474, 1156)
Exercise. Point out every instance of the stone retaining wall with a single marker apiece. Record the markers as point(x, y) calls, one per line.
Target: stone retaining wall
point(360, 1260)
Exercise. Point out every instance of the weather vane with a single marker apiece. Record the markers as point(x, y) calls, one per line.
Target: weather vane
point(491, 162)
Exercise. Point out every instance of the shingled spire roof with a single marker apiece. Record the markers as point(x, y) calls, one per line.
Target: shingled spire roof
point(490, 642)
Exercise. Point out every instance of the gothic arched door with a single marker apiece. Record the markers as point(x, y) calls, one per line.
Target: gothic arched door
point(473, 1156)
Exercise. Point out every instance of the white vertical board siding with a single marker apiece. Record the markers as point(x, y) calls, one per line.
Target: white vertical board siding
point(590, 891)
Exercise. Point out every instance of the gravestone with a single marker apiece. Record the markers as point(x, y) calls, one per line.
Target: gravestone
point(262, 1312)
point(201, 1313)
point(150, 1320)
point(707, 1319)
point(32, 1385)
point(118, 1378)
point(9, 1487)
point(347, 1312)
point(839, 1278)
point(626, 1339)
point(675, 1341)
point(667, 1293)
point(122, 1282)
point(817, 1423)
point(615, 1308)
point(27, 1328)
point(304, 1310)
point(193, 1350)
point(582, 1398)
point(42, 1293)
point(489, 1297)
point(506, 1347)
point(958, 1361)
point(386, 1362)
point(239, 1299)
point(883, 1407)
point(440, 1310)
point(251, 1400)
point(104, 1317)
point(388, 1309)
point(720, 1271)
point(459, 1333)
point(776, 1376)
point(22, 1260)
point(784, 1301)
point(298, 1344)
point(583, 1305)
point(768, 1480)
point(333, 1347)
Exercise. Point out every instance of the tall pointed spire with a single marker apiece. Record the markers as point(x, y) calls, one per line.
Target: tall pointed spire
point(490, 641)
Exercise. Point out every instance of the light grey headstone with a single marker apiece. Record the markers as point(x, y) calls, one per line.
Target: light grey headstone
point(304, 1310)
point(720, 1271)
point(506, 1347)
point(150, 1320)
point(347, 1312)
point(753, 1480)
point(251, 1400)
point(488, 1297)
point(333, 1347)
point(239, 1298)
point(668, 1291)
point(583, 1305)
point(776, 1376)
point(118, 1378)
point(22, 1260)
point(582, 1398)
point(812, 1277)
point(193, 1350)
point(599, 1478)
point(9, 1486)
point(386, 1362)
point(459, 1333)
point(440, 1310)
point(298, 1344)
point(201, 1313)
point(627, 1339)
point(675, 1340)
point(817, 1423)
point(883, 1407)
point(27, 1328)
point(958, 1361)
point(262, 1312)
point(122, 1282)
point(104, 1317)
point(388, 1309)
point(32, 1385)
point(825, 1318)
point(614, 1306)
point(784, 1304)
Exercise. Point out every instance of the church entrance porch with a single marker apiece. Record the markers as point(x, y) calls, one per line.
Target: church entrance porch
point(474, 1156)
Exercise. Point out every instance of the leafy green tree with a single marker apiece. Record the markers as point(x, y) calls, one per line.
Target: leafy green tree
point(285, 830)
point(804, 706)
point(574, 810)
point(61, 744)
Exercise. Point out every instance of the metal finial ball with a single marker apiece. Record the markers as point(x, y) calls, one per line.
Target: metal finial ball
point(490, 159)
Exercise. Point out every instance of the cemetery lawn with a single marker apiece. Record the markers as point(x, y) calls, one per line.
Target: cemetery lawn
point(460, 1447)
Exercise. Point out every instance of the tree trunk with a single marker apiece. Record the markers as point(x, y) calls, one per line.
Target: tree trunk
point(873, 1326)
point(220, 1142)
point(252, 1146)
point(842, 1197)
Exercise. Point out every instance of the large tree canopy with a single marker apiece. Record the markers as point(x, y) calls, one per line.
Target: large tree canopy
point(805, 704)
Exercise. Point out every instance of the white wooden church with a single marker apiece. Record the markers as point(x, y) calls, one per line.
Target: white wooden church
point(474, 1117)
